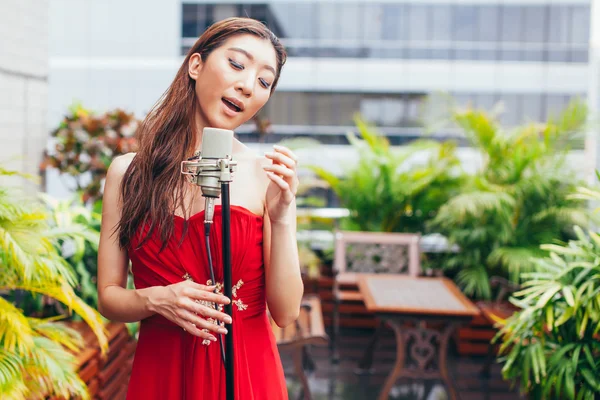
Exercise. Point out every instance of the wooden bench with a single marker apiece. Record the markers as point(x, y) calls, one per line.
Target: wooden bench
point(106, 376)
point(307, 330)
point(357, 253)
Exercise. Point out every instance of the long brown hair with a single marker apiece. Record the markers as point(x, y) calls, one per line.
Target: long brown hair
point(153, 187)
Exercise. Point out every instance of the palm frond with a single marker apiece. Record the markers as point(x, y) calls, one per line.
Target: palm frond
point(30, 254)
point(65, 294)
point(15, 331)
point(58, 332)
point(12, 386)
point(475, 204)
point(479, 128)
point(563, 216)
point(475, 281)
point(516, 260)
point(52, 371)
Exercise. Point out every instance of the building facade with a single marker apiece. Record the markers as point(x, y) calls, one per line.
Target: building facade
point(23, 84)
point(381, 58)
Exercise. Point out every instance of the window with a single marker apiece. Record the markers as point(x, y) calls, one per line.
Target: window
point(418, 17)
point(511, 27)
point(441, 32)
point(488, 28)
point(464, 31)
point(534, 32)
point(411, 30)
point(580, 32)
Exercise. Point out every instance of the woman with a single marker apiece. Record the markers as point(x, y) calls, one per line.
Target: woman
point(153, 216)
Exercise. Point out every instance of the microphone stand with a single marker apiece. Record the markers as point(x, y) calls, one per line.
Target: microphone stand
point(218, 170)
point(226, 169)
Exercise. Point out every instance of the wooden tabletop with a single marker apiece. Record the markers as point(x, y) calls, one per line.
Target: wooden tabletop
point(393, 293)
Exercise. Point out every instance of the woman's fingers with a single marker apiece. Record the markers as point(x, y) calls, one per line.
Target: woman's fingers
point(203, 295)
point(202, 323)
point(287, 152)
point(280, 169)
point(209, 312)
point(192, 329)
point(286, 192)
point(284, 156)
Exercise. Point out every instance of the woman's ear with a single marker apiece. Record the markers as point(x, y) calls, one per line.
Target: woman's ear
point(194, 66)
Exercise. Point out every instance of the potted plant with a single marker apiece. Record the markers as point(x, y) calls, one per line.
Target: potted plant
point(36, 352)
point(518, 199)
point(391, 190)
point(86, 143)
point(552, 345)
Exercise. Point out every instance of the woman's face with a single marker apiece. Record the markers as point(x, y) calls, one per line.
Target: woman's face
point(234, 82)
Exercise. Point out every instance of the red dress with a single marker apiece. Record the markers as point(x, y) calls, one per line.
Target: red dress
point(173, 364)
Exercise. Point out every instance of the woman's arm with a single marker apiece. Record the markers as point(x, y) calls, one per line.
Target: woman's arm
point(283, 279)
point(176, 302)
point(284, 287)
point(115, 302)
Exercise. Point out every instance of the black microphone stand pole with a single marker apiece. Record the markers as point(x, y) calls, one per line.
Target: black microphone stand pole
point(226, 245)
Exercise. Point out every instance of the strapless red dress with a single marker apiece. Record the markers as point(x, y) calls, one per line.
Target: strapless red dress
point(172, 364)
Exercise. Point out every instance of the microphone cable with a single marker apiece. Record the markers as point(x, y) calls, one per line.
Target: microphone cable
point(212, 277)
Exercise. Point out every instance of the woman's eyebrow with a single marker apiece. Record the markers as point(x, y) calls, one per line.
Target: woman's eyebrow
point(244, 52)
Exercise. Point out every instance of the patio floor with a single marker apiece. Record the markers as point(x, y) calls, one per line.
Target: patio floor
point(337, 382)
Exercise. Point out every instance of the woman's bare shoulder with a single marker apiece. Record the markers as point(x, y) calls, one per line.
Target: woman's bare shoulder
point(119, 166)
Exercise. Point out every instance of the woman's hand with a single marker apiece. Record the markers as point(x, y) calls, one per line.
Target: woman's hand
point(179, 303)
point(284, 182)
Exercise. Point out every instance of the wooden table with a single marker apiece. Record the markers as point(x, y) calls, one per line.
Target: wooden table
point(398, 299)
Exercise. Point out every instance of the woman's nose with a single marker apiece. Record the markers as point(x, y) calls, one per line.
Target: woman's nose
point(245, 85)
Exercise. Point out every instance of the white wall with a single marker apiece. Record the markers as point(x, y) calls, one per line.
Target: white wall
point(111, 53)
point(23, 83)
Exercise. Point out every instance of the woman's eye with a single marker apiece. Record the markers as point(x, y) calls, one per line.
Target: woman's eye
point(264, 83)
point(236, 65)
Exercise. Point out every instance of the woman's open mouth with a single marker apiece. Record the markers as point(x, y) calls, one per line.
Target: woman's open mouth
point(231, 105)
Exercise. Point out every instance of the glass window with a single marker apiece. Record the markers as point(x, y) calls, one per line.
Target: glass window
point(464, 31)
point(580, 32)
point(555, 104)
point(412, 30)
point(324, 109)
point(297, 20)
point(394, 22)
point(349, 104)
point(531, 105)
point(441, 32)
point(195, 19)
point(534, 31)
point(350, 25)
point(372, 21)
point(392, 111)
point(463, 100)
point(558, 34)
point(412, 109)
point(511, 109)
point(328, 21)
point(370, 109)
point(418, 17)
point(485, 101)
point(489, 30)
point(222, 11)
point(511, 29)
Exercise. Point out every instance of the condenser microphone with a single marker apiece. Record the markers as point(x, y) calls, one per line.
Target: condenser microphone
point(217, 146)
